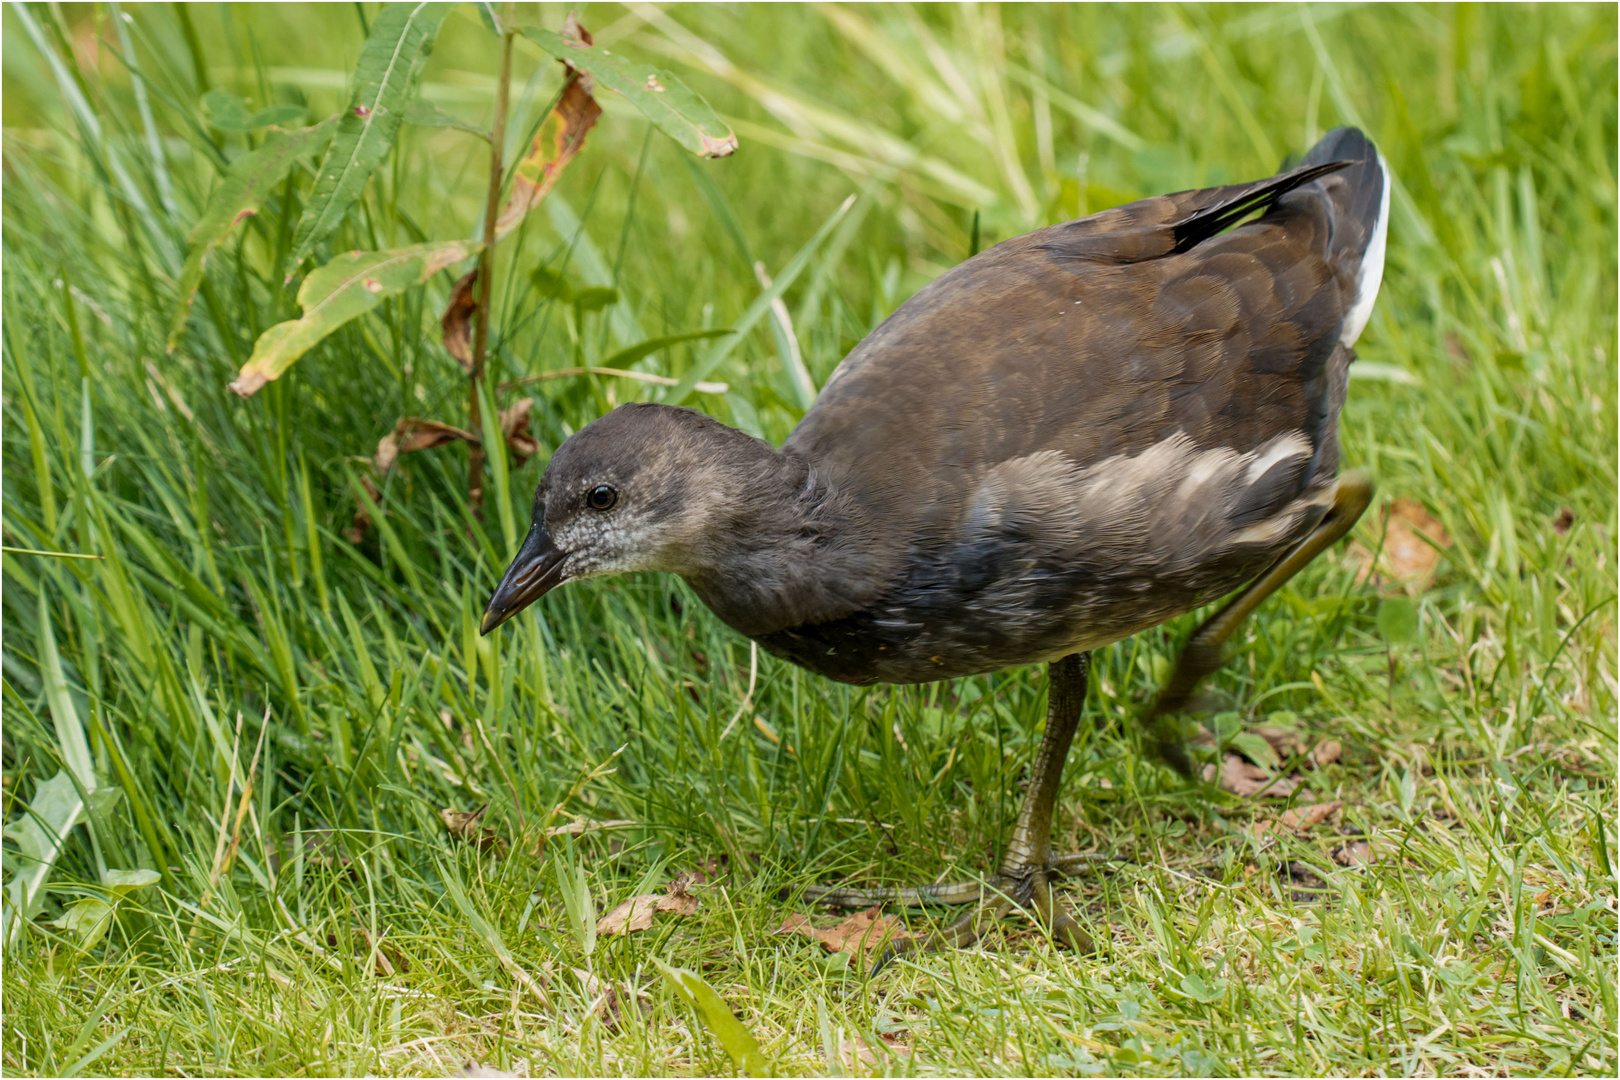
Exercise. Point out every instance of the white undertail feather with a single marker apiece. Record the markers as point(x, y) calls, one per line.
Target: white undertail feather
point(1372, 268)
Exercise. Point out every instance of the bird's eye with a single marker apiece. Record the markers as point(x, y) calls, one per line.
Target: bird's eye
point(601, 497)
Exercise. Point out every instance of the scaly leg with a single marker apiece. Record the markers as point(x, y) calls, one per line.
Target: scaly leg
point(1028, 867)
point(1203, 652)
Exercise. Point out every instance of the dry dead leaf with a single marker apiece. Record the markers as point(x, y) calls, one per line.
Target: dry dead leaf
point(1365, 853)
point(1298, 819)
point(473, 1068)
point(361, 521)
point(1301, 818)
point(636, 914)
point(630, 917)
point(464, 825)
point(1241, 778)
point(857, 1051)
point(456, 322)
point(415, 433)
point(576, 113)
point(860, 932)
point(1408, 558)
point(514, 422)
point(1284, 743)
point(1326, 753)
point(1564, 521)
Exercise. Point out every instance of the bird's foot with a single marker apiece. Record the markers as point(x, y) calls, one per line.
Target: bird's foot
point(1022, 888)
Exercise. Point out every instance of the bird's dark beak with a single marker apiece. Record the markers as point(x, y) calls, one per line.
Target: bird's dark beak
point(537, 570)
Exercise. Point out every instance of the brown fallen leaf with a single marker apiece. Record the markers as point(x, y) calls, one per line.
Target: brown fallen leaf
point(1408, 558)
point(415, 433)
point(1298, 819)
point(576, 113)
point(636, 914)
point(456, 323)
point(1285, 743)
point(361, 522)
point(474, 1069)
point(861, 932)
point(1241, 778)
point(1365, 853)
point(464, 825)
point(678, 896)
point(857, 1051)
point(514, 424)
point(1301, 818)
point(1326, 753)
point(1564, 521)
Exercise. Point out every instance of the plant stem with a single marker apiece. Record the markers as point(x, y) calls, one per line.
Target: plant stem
point(486, 266)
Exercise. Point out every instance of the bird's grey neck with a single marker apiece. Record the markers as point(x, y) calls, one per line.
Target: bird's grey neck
point(783, 552)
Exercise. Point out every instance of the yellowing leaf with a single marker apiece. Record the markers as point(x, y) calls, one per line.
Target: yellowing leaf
point(662, 98)
point(347, 287)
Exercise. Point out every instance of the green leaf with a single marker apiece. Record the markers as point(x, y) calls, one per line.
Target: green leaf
point(227, 112)
point(595, 298)
point(549, 283)
point(121, 882)
point(756, 311)
point(1256, 750)
point(575, 887)
point(238, 197)
point(1397, 620)
point(88, 918)
point(391, 62)
point(348, 286)
point(39, 836)
point(673, 109)
point(625, 357)
point(1194, 986)
point(717, 1016)
point(422, 114)
point(70, 738)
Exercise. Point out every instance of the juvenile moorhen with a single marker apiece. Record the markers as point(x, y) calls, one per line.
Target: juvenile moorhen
point(1068, 438)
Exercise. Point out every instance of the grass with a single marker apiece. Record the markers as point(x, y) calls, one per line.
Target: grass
point(243, 671)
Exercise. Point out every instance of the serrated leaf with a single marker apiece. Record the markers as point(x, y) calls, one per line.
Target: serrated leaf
point(347, 287)
point(625, 357)
point(247, 181)
point(391, 62)
point(674, 109)
point(738, 1042)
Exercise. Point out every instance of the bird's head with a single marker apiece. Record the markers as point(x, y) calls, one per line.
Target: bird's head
point(639, 489)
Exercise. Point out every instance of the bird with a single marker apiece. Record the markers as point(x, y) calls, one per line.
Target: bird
point(1067, 439)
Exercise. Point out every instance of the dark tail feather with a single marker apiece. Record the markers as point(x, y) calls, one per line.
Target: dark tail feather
point(1357, 190)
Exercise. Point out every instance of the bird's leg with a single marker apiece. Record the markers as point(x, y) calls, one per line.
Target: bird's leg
point(1203, 652)
point(1027, 869)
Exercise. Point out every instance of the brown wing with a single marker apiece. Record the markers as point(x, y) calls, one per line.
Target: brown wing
point(1093, 338)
